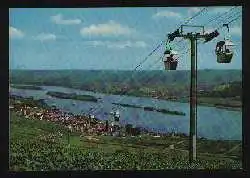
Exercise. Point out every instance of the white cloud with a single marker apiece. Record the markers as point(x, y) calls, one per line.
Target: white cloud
point(209, 30)
point(193, 10)
point(167, 13)
point(118, 45)
point(140, 44)
point(236, 31)
point(15, 33)
point(110, 28)
point(219, 9)
point(95, 43)
point(127, 44)
point(58, 19)
point(45, 37)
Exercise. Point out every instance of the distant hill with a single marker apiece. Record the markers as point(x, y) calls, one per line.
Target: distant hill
point(173, 85)
point(80, 77)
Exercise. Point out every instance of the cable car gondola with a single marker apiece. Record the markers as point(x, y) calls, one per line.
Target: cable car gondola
point(224, 49)
point(117, 116)
point(170, 62)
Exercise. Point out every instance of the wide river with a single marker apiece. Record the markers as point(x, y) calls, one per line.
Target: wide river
point(212, 123)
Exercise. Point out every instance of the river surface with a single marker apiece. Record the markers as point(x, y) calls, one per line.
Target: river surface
point(212, 123)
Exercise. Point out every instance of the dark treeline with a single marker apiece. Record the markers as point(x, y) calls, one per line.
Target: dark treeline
point(161, 84)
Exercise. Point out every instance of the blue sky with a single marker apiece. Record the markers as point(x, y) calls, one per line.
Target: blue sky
point(112, 38)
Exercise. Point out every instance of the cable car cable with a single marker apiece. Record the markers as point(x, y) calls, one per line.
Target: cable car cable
point(136, 68)
point(197, 14)
point(222, 26)
point(191, 18)
point(96, 108)
point(146, 81)
point(149, 55)
point(216, 17)
point(197, 54)
point(225, 17)
point(232, 20)
point(220, 15)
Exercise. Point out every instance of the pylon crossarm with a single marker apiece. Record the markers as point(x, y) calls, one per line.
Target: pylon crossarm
point(199, 26)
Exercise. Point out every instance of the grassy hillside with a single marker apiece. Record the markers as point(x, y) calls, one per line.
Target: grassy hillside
point(41, 145)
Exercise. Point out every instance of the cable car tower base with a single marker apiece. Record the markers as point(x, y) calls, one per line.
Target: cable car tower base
point(193, 85)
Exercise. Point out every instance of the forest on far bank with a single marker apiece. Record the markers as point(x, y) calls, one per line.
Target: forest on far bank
point(160, 84)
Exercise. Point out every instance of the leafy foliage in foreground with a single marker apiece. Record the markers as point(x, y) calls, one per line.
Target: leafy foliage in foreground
point(53, 156)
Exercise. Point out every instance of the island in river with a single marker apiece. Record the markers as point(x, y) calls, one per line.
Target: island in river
point(26, 87)
point(72, 96)
point(216, 88)
point(148, 108)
